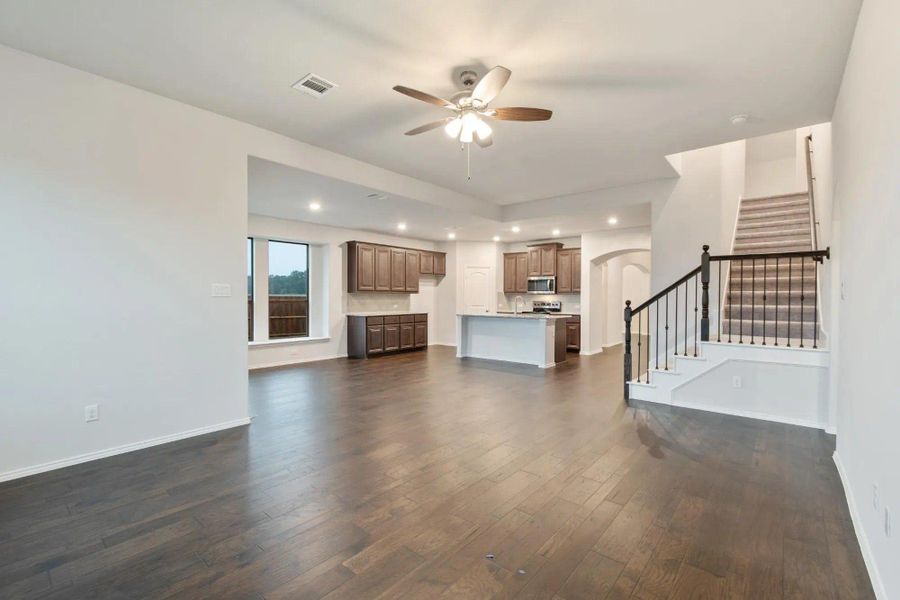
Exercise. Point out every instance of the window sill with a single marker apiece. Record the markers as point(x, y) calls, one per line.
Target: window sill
point(287, 341)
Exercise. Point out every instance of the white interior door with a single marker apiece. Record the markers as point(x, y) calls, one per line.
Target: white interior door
point(477, 289)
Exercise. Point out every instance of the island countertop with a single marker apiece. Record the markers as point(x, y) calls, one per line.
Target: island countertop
point(504, 315)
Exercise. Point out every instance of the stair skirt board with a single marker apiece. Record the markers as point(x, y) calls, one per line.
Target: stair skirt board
point(663, 384)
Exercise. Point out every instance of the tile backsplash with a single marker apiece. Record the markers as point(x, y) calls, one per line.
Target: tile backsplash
point(571, 303)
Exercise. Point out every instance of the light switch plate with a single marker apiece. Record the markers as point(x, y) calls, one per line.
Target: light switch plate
point(91, 413)
point(221, 290)
point(736, 381)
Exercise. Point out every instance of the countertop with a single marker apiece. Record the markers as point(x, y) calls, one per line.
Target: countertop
point(529, 316)
point(528, 312)
point(384, 313)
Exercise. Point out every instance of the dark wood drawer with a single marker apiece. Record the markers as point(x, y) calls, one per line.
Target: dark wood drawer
point(391, 320)
point(374, 320)
point(421, 318)
point(574, 319)
point(407, 318)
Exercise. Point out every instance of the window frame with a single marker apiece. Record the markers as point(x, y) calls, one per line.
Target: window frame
point(269, 337)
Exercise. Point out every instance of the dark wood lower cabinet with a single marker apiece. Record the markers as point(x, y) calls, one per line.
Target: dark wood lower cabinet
point(573, 334)
point(383, 334)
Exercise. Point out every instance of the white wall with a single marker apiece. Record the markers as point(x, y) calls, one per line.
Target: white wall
point(866, 130)
point(124, 207)
point(329, 300)
point(773, 163)
point(596, 249)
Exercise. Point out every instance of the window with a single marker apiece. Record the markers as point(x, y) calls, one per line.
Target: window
point(250, 288)
point(288, 290)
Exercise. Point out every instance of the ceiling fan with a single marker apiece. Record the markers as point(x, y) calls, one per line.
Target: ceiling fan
point(471, 108)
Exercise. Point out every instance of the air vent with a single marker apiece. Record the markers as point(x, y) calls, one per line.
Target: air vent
point(314, 85)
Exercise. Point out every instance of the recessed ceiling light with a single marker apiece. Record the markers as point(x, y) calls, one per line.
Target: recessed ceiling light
point(401, 226)
point(739, 119)
point(612, 220)
point(496, 238)
point(516, 229)
point(555, 232)
point(451, 235)
point(314, 206)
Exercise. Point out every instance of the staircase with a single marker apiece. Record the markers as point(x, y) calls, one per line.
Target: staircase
point(772, 300)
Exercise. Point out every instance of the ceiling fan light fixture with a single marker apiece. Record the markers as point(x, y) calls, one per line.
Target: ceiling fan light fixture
point(483, 130)
point(453, 127)
point(466, 136)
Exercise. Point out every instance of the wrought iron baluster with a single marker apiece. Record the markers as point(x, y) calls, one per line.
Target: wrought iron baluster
point(666, 342)
point(675, 341)
point(719, 308)
point(741, 320)
point(790, 290)
point(765, 289)
point(647, 378)
point(657, 334)
point(816, 304)
point(685, 316)
point(777, 285)
point(753, 301)
point(639, 347)
point(696, 282)
point(802, 298)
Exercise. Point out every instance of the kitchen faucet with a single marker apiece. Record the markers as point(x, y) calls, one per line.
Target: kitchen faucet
point(516, 301)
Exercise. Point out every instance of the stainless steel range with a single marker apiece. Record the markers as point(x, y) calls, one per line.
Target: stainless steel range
point(551, 306)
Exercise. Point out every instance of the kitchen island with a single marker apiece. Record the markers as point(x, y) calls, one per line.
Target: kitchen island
point(528, 338)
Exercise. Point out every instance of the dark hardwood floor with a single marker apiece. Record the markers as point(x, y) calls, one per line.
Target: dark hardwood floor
point(397, 477)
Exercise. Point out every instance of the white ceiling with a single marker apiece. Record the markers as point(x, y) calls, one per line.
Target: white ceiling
point(281, 191)
point(629, 82)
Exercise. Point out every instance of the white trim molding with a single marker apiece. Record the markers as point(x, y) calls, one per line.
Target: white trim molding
point(865, 548)
point(107, 452)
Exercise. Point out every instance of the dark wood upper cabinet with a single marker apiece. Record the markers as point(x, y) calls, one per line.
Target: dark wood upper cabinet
point(521, 272)
point(440, 263)
point(382, 269)
point(398, 270)
point(363, 275)
point(426, 263)
point(534, 261)
point(515, 272)
point(576, 270)
point(548, 260)
point(509, 273)
point(564, 272)
point(412, 270)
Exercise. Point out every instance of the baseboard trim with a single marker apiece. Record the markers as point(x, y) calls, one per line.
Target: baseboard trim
point(749, 414)
point(107, 452)
point(293, 361)
point(868, 558)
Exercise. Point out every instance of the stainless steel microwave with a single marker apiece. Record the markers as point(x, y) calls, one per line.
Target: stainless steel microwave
point(542, 285)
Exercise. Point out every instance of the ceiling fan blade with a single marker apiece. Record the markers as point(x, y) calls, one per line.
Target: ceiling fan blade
point(491, 84)
point(484, 143)
point(428, 126)
point(424, 97)
point(520, 113)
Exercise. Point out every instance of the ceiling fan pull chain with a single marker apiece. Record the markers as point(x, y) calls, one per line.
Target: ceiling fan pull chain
point(468, 162)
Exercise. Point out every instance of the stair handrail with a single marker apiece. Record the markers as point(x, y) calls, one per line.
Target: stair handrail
point(704, 271)
point(814, 224)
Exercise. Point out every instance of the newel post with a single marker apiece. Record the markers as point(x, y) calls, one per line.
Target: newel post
point(704, 281)
point(627, 345)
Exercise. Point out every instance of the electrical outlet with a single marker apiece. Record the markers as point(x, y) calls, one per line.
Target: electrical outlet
point(887, 521)
point(220, 290)
point(91, 413)
point(736, 382)
point(875, 496)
